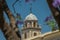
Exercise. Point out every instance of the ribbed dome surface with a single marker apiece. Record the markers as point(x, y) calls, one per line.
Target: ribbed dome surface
point(31, 17)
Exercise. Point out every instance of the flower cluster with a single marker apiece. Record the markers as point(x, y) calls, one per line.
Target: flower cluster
point(56, 4)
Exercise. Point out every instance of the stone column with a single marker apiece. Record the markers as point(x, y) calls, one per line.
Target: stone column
point(30, 34)
point(36, 24)
point(32, 24)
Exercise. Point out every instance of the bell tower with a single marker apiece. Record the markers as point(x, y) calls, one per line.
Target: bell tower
point(30, 27)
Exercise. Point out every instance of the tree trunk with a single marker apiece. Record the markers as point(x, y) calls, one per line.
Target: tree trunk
point(54, 12)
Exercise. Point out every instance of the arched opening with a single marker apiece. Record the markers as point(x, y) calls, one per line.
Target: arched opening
point(34, 24)
point(25, 36)
point(35, 34)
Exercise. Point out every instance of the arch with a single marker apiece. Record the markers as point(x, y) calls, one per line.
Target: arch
point(35, 34)
point(25, 36)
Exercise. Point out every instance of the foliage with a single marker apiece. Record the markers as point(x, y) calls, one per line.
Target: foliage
point(19, 19)
point(51, 22)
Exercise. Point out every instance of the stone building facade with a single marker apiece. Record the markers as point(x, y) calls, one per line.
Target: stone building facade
point(31, 27)
point(55, 35)
point(32, 31)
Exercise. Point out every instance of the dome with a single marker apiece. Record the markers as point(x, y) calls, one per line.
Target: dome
point(31, 17)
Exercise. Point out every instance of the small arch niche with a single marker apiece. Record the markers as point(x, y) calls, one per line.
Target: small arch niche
point(35, 34)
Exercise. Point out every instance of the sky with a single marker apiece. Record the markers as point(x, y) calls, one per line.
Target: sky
point(39, 8)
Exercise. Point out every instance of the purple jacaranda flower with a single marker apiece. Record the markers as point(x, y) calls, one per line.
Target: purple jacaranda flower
point(56, 3)
point(48, 18)
point(19, 22)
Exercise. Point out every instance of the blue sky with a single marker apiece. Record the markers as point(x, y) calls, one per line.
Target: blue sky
point(39, 8)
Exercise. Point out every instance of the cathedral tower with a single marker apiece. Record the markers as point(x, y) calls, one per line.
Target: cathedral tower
point(30, 27)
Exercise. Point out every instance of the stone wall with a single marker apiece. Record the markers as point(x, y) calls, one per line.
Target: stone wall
point(49, 36)
point(53, 36)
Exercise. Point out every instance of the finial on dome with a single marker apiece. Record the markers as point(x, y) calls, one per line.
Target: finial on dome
point(31, 8)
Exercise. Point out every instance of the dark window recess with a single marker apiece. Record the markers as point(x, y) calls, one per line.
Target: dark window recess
point(34, 24)
point(25, 36)
point(35, 34)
